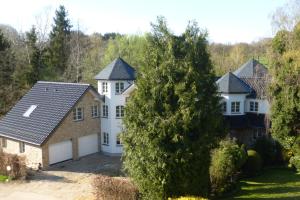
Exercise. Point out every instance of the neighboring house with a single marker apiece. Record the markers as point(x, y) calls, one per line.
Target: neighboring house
point(115, 83)
point(244, 103)
point(53, 122)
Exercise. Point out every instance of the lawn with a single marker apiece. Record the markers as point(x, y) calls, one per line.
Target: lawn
point(279, 183)
point(3, 178)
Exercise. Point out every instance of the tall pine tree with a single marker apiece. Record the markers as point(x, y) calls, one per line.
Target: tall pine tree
point(173, 118)
point(59, 48)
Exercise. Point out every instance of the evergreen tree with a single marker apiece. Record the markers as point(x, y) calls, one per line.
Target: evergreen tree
point(34, 72)
point(59, 49)
point(173, 119)
point(285, 90)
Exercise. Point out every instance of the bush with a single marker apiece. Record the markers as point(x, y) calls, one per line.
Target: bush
point(188, 198)
point(16, 163)
point(253, 164)
point(114, 189)
point(266, 149)
point(226, 161)
point(295, 161)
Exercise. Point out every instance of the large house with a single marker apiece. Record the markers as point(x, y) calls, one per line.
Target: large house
point(57, 121)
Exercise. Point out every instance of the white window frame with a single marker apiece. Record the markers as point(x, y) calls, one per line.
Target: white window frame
point(224, 106)
point(105, 137)
point(119, 87)
point(120, 112)
point(105, 111)
point(104, 87)
point(76, 115)
point(118, 140)
point(235, 107)
point(21, 147)
point(253, 106)
point(95, 111)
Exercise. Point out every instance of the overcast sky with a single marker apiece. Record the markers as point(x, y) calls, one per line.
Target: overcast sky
point(227, 21)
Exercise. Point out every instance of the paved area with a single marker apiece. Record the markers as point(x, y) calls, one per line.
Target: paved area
point(69, 180)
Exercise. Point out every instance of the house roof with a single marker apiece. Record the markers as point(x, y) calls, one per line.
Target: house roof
point(252, 68)
point(51, 102)
point(229, 83)
point(117, 70)
point(258, 85)
point(249, 120)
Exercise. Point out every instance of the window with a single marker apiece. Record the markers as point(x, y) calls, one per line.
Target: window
point(118, 141)
point(224, 107)
point(119, 111)
point(3, 142)
point(257, 133)
point(77, 114)
point(105, 111)
point(22, 147)
point(105, 138)
point(253, 106)
point(104, 87)
point(29, 110)
point(235, 107)
point(119, 87)
point(95, 111)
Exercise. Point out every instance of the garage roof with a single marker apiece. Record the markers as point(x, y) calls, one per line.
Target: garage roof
point(41, 110)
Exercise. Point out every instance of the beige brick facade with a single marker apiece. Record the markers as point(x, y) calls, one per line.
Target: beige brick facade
point(67, 130)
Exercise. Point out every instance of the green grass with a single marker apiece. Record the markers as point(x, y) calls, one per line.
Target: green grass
point(3, 178)
point(277, 183)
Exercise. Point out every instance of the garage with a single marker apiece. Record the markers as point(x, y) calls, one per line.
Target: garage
point(87, 145)
point(61, 151)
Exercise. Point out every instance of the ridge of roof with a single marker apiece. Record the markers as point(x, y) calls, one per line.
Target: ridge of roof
point(64, 83)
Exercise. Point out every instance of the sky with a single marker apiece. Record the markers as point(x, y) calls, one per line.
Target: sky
point(227, 21)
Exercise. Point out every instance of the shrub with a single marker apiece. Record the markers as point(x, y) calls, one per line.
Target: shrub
point(16, 163)
point(295, 161)
point(266, 149)
point(253, 164)
point(226, 161)
point(114, 189)
point(188, 198)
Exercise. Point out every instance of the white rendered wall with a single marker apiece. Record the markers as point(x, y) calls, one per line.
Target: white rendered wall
point(228, 98)
point(112, 125)
point(263, 106)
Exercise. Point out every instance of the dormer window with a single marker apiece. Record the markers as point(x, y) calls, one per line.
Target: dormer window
point(29, 111)
point(235, 107)
point(119, 87)
point(104, 87)
point(253, 106)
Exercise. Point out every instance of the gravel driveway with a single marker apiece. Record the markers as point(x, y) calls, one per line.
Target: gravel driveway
point(69, 180)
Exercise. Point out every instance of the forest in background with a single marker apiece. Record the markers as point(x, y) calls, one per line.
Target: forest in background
point(65, 53)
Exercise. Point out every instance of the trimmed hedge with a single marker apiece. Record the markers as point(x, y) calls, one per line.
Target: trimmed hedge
point(114, 189)
point(16, 163)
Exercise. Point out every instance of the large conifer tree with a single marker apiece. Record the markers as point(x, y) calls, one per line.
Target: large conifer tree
point(59, 49)
point(173, 118)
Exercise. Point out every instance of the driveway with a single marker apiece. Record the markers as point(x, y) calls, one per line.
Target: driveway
point(70, 180)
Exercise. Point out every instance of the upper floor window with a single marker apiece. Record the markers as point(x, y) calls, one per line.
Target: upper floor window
point(118, 141)
point(105, 111)
point(95, 111)
point(22, 147)
point(104, 87)
point(119, 87)
point(105, 138)
point(3, 142)
point(224, 107)
point(77, 114)
point(119, 111)
point(253, 106)
point(235, 107)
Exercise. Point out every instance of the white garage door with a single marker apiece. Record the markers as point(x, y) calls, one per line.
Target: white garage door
point(87, 145)
point(59, 152)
